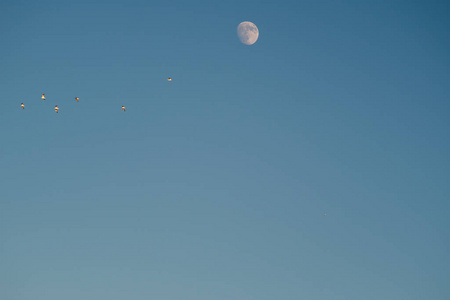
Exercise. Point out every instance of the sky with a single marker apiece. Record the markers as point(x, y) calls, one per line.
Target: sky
point(215, 185)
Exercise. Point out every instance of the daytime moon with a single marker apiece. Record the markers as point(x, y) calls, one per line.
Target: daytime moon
point(248, 33)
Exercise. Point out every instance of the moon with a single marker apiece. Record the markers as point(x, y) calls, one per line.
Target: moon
point(248, 33)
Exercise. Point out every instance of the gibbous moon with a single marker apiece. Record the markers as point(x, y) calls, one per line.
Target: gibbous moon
point(248, 33)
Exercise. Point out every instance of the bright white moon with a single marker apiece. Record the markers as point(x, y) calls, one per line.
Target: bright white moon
point(248, 33)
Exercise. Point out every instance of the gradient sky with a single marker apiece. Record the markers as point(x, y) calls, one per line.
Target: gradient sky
point(214, 185)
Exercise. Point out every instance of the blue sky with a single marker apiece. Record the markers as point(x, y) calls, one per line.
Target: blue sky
point(214, 185)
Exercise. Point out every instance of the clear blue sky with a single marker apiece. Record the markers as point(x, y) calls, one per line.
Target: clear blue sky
point(214, 185)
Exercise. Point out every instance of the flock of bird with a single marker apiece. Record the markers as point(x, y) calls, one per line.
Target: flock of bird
point(76, 98)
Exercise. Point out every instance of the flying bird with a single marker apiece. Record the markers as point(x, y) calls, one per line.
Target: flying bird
point(123, 108)
point(76, 98)
point(324, 214)
point(169, 79)
point(56, 108)
point(43, 97)
point(22, 105)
